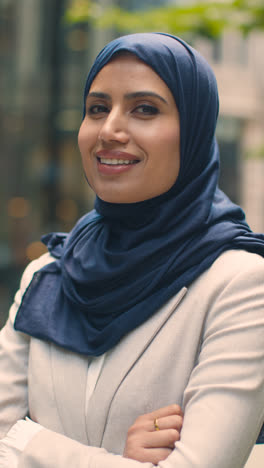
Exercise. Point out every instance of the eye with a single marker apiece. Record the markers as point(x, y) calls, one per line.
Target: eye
point(97, 109)
point(146, 110)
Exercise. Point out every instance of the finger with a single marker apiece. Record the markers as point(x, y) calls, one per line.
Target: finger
point(146, 422)
point(166, 411)
point(160, 439)
point(168, 422)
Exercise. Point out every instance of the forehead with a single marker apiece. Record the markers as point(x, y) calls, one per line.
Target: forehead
point(128, 73)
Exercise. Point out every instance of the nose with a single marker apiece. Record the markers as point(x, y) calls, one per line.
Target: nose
point(114, 128)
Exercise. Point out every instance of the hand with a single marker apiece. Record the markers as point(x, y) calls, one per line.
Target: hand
point(147, 444)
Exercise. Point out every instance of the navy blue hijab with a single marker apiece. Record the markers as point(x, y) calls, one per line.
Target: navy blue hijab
point(122, 262)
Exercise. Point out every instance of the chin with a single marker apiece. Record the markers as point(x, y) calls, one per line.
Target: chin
point(121, 199)
point(116, 199)
point(135, 195)
point(115, 196)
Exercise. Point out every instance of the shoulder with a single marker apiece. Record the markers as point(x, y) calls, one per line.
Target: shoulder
point(32, 268)
point(237, 260)
point(234, 289)
point(232, 283)
point(235, 265)
point(27, 276)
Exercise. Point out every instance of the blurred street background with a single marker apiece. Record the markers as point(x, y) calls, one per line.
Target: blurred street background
point(46, 49)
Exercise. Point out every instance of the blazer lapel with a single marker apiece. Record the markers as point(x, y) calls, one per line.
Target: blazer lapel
point(117, 364)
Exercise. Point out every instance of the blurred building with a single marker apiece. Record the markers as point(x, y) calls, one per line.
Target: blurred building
point(239, 67)
point(44, 62)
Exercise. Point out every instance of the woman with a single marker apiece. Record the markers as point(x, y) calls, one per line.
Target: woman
point(154, 302)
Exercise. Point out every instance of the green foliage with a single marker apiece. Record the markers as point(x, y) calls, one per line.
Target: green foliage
point(204, 18)
point(256, 153)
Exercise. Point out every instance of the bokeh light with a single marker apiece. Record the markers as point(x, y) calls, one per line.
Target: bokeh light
point(67, 210)
point(18, 207)
point(35, 250)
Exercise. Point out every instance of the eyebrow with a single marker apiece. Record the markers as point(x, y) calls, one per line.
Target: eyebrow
point(137, 94)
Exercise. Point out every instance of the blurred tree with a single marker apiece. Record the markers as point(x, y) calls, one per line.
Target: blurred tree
point(204, 18)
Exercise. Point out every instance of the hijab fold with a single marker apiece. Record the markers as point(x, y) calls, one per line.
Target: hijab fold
point(122, 262)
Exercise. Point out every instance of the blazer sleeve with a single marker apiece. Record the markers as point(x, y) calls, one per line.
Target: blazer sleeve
point(223, 401)
point(13, 373)
point(14, 350)
point(224, 398)
point(48, 450)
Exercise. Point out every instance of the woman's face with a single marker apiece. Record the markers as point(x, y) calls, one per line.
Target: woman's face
point(130, 137)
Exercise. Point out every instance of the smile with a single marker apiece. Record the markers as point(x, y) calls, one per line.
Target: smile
point(115, 162)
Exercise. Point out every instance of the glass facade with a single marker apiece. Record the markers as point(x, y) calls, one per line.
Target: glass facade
point(43, 67)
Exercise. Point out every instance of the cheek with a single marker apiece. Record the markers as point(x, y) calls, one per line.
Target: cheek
point(171, 146)
point(86, 138)
point(166, 147)
point(167, 157)
point(84, 148)
point(170, 138)
point(165, 136)
point(81, 138)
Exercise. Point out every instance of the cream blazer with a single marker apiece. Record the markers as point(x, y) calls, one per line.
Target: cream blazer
point(204, 350)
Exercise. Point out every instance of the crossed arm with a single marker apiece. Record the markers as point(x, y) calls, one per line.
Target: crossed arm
point(144, 444)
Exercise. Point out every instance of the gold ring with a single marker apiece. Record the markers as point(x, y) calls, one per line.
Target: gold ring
point(156, 425)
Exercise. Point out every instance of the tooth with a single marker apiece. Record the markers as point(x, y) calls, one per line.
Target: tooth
point(115, 161)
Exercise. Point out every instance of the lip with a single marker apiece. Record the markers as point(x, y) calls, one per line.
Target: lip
point(116, 169)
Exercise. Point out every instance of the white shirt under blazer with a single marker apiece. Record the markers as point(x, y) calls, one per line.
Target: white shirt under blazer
point(204, 349)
